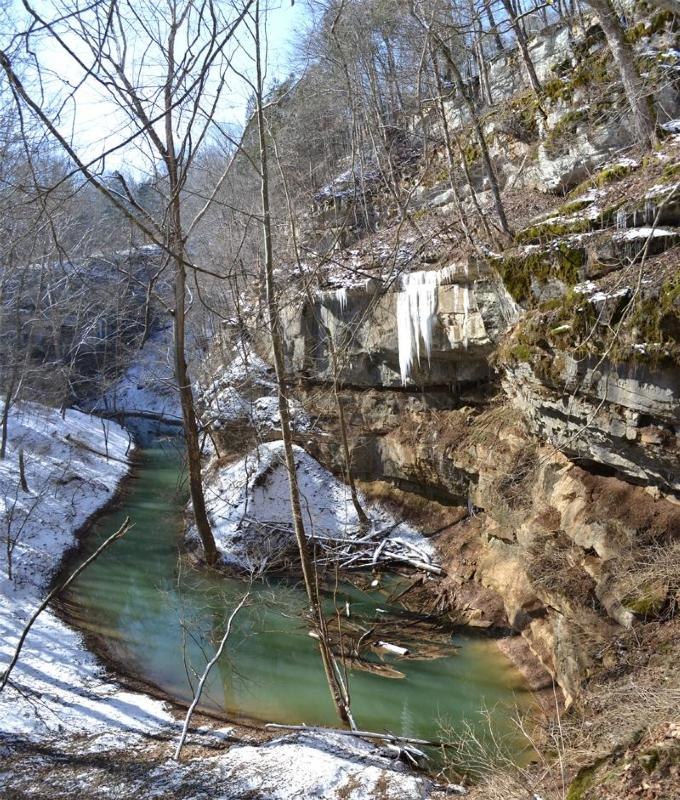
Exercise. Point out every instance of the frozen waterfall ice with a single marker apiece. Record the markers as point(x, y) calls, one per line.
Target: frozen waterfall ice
point(340, 296)
point(416, 311)
point(417, 305)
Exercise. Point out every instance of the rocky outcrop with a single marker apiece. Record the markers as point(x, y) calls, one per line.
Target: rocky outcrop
point(618, 418)
point(426, 329)
point(544, 538)
point(574, 465)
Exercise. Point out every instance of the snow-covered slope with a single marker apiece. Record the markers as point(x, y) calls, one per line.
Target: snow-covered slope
point(255, 489)
point(73, 466)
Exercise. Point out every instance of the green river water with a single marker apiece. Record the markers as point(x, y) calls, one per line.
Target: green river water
point(160, 620)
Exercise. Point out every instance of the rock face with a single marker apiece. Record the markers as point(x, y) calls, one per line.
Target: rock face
point(433, 328)
point(576, 462)
point(608, 417)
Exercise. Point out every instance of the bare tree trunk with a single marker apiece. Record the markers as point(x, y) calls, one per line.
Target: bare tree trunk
point(363, 519)
point(186, 395)
point(361, 514)
point(524, 50)
point(5, 421)
point(482, 70)
point(449, 150)
point(481, 141)
point(476, 124)
point(494, 27)
point(22, 471)
point(308, 572)
point(639, 100)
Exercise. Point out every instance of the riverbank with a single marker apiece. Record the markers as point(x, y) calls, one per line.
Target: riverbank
point(73, 466)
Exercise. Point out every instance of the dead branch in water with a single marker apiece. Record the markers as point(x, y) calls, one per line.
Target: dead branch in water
point(363, 551)
point(385, 737)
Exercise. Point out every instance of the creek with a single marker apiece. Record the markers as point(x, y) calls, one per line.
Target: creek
point(158, 619)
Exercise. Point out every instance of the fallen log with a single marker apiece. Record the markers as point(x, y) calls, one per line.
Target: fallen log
point(385, 737)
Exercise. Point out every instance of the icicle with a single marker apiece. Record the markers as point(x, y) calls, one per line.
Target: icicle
point(341, 298)
point(447, 273)
point(621, 218)
point(416, 310)
point(650, 211)
point(466, 310)
point(327, 320)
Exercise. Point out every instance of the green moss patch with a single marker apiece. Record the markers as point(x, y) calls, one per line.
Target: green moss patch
point(613, 173)
point(671, 171)
point(656, 21)
point(655, 320)
point(646, 603)
point(553, 228)
point(561, 261)
point(581, 783)
point(518, 118)
point(571, 208)
point(607, 175)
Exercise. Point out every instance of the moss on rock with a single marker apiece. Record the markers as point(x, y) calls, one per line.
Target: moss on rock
point(561, 261)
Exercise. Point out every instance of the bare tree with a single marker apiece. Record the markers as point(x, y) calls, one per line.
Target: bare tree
point(431, 28)
point(639, 100)
point(169, 95)
point(338, 691)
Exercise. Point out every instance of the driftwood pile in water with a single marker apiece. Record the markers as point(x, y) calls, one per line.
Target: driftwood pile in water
point(378, 641)
point(359, 550)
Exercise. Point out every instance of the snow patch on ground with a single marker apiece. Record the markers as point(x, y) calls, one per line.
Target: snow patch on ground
point(228, 406)
point(661, 191)
point(254, 492)
point(305, 765)
point(73, 466)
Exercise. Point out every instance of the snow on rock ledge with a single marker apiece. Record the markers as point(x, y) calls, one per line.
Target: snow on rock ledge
point(249, 508)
